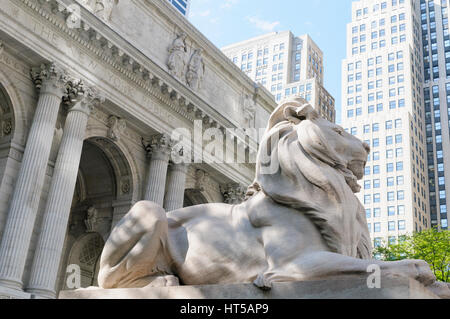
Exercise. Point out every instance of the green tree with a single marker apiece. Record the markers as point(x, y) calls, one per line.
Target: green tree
point(432, 246)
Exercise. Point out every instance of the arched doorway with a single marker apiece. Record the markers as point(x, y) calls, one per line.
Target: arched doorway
point(103, 194)
point(86, 253)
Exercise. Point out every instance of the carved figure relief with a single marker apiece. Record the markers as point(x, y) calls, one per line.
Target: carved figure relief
point(196, 70)
point(91, 220)
point(177, 57)
point(249, 109)
point(233, 194)
point(116, 127)
point(101, 8)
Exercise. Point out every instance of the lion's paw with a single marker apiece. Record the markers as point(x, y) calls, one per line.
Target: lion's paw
point(164, 281)
point(440, 289)
point(263, 283)
point(416, 269)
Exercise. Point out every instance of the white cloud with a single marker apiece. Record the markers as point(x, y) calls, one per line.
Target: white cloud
point(263, 25)
point(228, 4)
point(205, 13)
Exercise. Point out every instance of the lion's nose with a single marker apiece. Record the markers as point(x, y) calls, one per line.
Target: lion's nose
point(366, 147)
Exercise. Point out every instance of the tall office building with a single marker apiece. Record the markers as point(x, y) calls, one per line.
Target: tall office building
point(181, 5)
point(436, 55)
point(285, 65)
point(383, 104)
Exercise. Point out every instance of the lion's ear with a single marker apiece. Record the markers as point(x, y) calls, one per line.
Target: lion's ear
point(296, 114)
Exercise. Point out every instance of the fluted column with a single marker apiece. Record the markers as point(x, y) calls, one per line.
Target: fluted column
point(175, 187)
point(160, 150)
point(48, 253)
point(50, 80)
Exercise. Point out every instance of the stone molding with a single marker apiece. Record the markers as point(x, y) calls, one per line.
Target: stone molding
point(159, 85)
point(108, 48)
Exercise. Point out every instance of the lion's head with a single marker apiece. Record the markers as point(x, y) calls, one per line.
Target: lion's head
point(313, 165)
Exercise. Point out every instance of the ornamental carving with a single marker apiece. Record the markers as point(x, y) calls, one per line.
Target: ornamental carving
point(7, 127)
point(249, 109)
point(125, 187)
point(177, 57)
point(91, 220)
point(233, 194)
point(81, 97)
point(160, 144)
point(195, 70)
point(201, 180)
point(49, 73)
point(101, 8)
point(116, 127)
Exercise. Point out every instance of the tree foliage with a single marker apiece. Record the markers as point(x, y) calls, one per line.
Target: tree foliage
point(432, 246)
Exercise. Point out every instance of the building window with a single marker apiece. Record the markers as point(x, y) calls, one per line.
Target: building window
point(377, 227)
point(391, 226)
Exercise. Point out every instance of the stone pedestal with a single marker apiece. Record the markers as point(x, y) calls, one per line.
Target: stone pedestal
point(351, 287)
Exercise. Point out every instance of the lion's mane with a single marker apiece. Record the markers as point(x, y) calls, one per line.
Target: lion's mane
point(312, 178)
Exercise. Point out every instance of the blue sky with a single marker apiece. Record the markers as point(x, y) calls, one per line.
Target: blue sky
point(228, 21)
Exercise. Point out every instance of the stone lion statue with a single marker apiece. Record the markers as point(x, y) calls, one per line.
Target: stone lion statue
point(301, 221)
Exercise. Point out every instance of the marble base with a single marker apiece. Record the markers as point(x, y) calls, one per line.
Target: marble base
point(8, 293)
point(343, 288)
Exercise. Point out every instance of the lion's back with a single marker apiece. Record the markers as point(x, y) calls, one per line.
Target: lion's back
point(212, 243)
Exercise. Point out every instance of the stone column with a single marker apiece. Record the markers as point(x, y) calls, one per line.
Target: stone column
point(176, 185)
point(160, 150)
point(50, 80)
point(44, 272)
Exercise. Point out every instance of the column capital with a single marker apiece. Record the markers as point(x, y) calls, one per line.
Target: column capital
point(50, 78)
point(160, 147)
point(80, 97)
point(233, 193)
point(179, 156)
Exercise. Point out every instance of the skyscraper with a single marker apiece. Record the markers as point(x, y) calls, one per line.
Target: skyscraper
point(182, 6)
point(383, 104)
point(285, 65)
point(436, 55)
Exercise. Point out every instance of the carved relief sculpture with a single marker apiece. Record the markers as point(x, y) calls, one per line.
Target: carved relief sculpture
point(249, 109)
point(233, 194)
point(101, 8)
point(91, 220)
point(301, 222)
point(116, 127)
point(201, 178)
point(196, 70)
point(177, 57)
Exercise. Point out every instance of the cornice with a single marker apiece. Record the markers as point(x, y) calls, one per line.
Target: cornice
point(138, 68)
point(210, 49)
